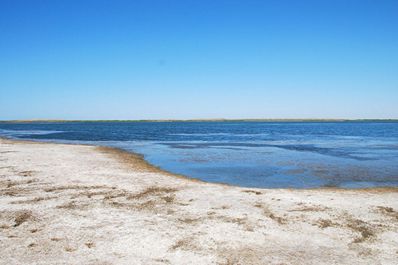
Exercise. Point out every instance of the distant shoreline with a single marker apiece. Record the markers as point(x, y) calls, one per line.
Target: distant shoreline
point(206, 120)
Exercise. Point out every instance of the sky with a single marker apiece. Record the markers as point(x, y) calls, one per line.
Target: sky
point(189, 59)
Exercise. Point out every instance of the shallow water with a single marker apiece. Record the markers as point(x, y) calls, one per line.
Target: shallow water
point(250, 154)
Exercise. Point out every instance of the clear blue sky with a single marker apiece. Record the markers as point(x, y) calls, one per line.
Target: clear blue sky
point(198, 59)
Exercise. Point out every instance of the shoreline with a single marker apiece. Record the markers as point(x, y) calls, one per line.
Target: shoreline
point(140, 161)
point(138, 158)
point(67, 203)
point(342, 120)
point(127, 157)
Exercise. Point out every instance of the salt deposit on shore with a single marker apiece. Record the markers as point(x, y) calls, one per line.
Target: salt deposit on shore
point(75, 204)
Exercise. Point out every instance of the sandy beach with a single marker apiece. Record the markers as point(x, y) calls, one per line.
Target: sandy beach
point(76, 204)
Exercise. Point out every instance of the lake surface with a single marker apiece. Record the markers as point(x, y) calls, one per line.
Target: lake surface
point(249, 154)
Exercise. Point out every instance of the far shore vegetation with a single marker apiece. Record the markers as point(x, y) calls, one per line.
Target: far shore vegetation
point(205, 120)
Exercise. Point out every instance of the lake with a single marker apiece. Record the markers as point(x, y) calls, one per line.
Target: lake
point(249, 154)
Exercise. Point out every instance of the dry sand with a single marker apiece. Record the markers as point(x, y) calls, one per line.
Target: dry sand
point(75, 204)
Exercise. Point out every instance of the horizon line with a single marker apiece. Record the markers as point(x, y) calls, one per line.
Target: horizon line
point(202, 120)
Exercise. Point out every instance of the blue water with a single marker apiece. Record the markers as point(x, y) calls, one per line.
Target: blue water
point(250, 154)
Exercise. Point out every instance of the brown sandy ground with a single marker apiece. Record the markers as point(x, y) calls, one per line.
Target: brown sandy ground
point(74, 204)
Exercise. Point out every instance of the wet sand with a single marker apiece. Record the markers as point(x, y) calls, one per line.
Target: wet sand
point(76, 204)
